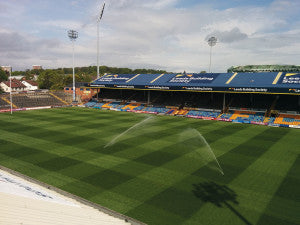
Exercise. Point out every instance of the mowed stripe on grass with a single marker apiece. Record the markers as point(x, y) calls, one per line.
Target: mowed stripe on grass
point(156, 173)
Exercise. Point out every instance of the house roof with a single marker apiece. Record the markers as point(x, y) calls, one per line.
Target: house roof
point(31, 82)
point(14, 84)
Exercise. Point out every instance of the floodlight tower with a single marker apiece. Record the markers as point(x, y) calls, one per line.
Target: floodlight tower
point(212, 41)
point(73, 35)
point(98, 22)
point(10, 96)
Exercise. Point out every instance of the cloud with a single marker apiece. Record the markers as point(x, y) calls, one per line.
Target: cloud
point(3, 7)
point(228, 36)
point(61, 24)
point(159, 33)
point(15, 42)
point(18, 49)
point(160, 4)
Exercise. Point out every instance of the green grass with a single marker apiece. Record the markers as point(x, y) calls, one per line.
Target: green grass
point(158, 173)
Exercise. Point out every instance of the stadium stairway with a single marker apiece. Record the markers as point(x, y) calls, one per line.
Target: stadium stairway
point(58, 98)
point(269, 120)
point(225, 115)
point(107, 105)
point(219, 115)
point(8, 102)
point(4, 105)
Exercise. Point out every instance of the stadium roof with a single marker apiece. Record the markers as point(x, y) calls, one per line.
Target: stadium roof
point(79, 84)
point(268, 82)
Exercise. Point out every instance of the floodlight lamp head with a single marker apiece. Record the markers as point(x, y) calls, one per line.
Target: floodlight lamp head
point(73, 34)
point(212, 41)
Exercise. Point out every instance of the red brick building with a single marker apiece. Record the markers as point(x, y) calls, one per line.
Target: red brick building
point(82, 89)
point(37, 67)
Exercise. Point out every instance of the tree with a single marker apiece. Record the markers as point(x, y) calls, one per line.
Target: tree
point(29, 76)
point(84, 77)
point(36, 71)
point(3, 75)
point(68, 79)
point(16, 73)
point(44, 79)
point(57, 81)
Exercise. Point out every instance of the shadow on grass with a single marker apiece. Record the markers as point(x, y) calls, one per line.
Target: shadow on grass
point(219, 195)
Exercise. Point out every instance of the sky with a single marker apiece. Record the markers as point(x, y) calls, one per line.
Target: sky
point(161, 34)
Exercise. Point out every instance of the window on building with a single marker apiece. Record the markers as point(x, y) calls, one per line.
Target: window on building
point(67, 89)
point(81, 89)
point(87, 89)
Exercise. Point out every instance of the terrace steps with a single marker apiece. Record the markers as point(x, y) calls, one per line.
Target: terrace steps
point(58, 98)
point(8, 102)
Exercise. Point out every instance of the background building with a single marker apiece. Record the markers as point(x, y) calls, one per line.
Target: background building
point(16, 85)
point(37, 67)
point(7, 68)
point(83, 90)
point(30, 85)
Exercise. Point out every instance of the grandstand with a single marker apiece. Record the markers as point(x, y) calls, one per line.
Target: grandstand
point(31, 99)
point(236, 97)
